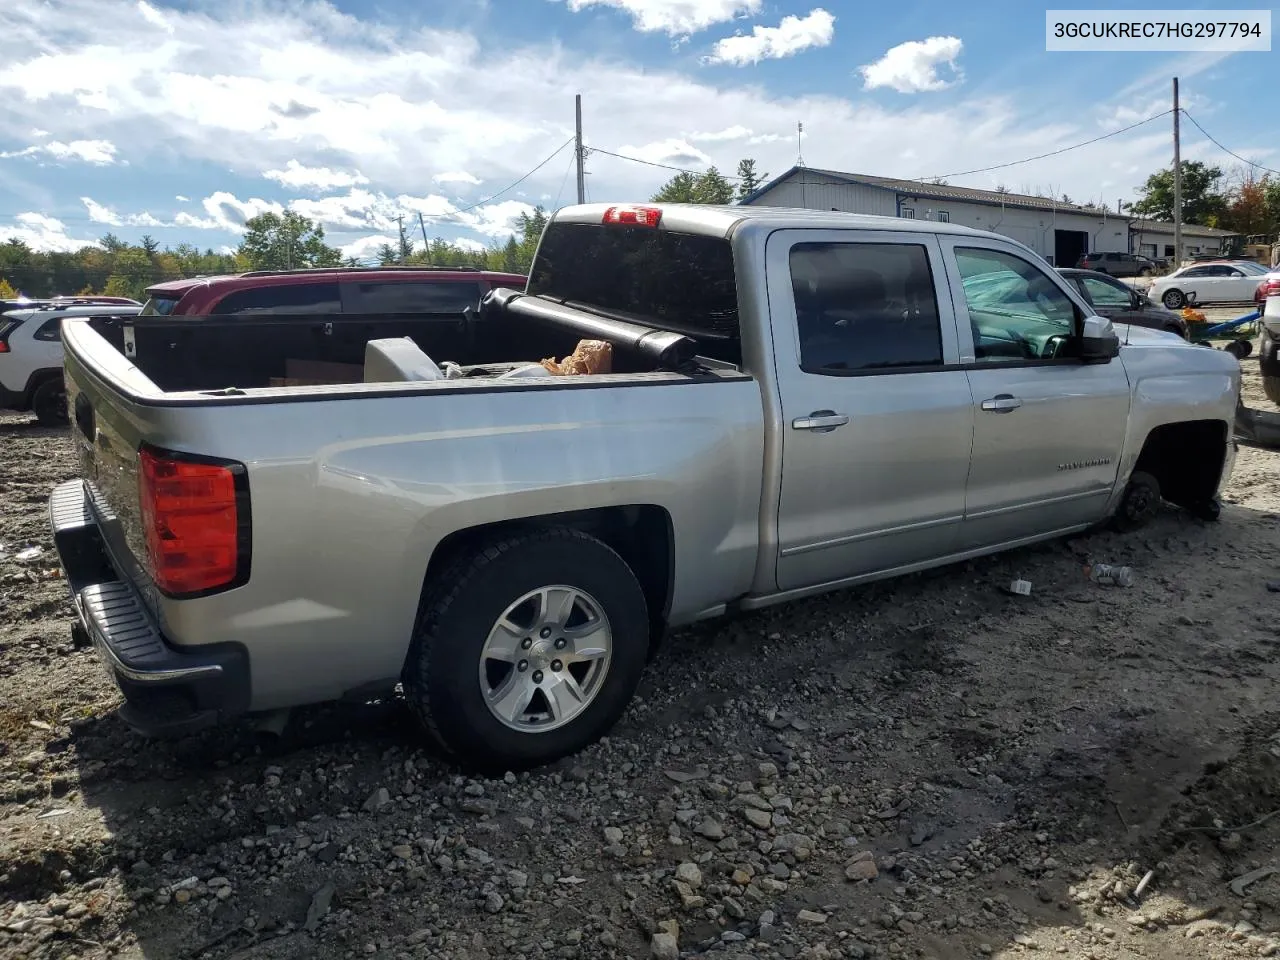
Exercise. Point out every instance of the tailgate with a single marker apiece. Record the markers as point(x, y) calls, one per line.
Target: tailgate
point(107, 430)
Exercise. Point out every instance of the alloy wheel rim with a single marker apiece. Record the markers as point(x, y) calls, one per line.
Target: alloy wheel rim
point(545, 659)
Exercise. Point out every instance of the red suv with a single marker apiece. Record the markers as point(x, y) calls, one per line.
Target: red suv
point(359, 290)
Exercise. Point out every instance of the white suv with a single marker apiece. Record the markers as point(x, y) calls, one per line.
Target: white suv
point(31, 352)
point(1269, 349)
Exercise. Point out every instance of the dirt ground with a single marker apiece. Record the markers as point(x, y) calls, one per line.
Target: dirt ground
point(925, 768)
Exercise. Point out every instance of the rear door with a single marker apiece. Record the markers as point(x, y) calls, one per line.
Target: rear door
point(1048, 429)
point(877, 416)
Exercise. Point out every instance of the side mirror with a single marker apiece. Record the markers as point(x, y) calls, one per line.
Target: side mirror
point(1098, 340)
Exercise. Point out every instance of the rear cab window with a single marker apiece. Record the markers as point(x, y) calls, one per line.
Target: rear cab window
point(681, 282)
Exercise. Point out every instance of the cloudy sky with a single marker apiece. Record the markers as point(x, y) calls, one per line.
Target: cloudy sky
point(182, 119)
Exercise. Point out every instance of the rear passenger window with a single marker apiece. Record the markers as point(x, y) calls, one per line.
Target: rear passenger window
point(450, 296)
point(286, 298)
point(864, 306)
point(51, 329)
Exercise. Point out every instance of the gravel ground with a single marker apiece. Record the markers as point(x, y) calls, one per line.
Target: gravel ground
point(925, 768)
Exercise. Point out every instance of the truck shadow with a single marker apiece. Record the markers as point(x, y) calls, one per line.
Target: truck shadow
point(1012, 764)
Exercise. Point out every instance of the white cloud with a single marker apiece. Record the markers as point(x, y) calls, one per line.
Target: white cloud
point(229, 213)
point(248, 87)
point(181, 199)
point(672, 151)
point(792, 35)
point(43, 233)
point(456, 176)
point(737, 132)
point(674, 17)
point(97, 152)
point(912, 67)
point(466, 243)
point(298, 176)
point(154, 16)
point(100, 214)
point(367, 247)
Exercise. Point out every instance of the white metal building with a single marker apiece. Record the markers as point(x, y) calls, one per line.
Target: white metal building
point(1154, 238)
point(1060, 232)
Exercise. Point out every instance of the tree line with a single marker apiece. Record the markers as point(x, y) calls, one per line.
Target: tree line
point(271, 242)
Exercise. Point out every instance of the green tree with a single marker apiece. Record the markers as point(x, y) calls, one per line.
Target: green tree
point(132, 273)
point(681, 188)
point(710, 186)
point(1203, 201)
point(274, 241)
point(112, 244)
point(749, 181)
point(149, 245)
point(6, 290)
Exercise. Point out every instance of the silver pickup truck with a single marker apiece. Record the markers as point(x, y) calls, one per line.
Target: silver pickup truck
point(797, 401)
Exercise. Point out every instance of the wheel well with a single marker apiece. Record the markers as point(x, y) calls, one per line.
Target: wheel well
point(641, 534)
point(1186, 459)
point(38, 379)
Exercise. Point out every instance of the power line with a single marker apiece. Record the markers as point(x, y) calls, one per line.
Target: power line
point(1252, 163)
point(511, 186)
point(652, 163)
point(1051, 153)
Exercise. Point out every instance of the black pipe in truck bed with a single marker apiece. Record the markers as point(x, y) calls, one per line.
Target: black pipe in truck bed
point(667, 350)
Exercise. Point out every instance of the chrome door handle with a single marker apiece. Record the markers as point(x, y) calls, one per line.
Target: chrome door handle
point(1001, 403)
point(823, 420)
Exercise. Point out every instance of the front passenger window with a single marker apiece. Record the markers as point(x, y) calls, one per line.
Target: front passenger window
point(1015, 311)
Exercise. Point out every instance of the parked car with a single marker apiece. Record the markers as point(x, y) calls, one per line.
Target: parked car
point(31, 352)
point(1117, 264)
point(365, 290)
point(1269, 341)
point(1121, 303)
point(1233, 281)
point(794, 402)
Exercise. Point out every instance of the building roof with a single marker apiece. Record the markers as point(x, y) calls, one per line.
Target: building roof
point(1188, 229)
point(933, 191)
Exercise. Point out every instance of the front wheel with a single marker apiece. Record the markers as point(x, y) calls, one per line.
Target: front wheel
point(529, 649)
point(1271, 387)
point(1139, 504)
point(1173, 299)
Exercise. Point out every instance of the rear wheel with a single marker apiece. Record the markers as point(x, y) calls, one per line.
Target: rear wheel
point(49, 403)
point(1173, 299)
point(529, 649)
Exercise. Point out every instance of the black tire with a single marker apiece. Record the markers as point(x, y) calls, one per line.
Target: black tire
point(1209, 510)
point(1139, 504)
point(441, 675)
point(1173, 299)
point(1239, 348)
point(49, 403)
point(1271, 387)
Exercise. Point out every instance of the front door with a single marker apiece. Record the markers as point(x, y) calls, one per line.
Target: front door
point(877, 417)
point(1111, 299)
point(1048, 429)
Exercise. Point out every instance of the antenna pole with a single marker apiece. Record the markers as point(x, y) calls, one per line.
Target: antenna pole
point(1177, 181)
point(579, 154)
point(799, 148)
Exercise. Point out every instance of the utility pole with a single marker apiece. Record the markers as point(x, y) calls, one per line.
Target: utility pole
point(579, 154)
point(1177, 180)
point(426, 244)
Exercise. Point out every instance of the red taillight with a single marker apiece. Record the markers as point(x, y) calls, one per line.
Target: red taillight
point(638, 216)
point(1268, 288)
point(191, 515)
point(4, 346)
